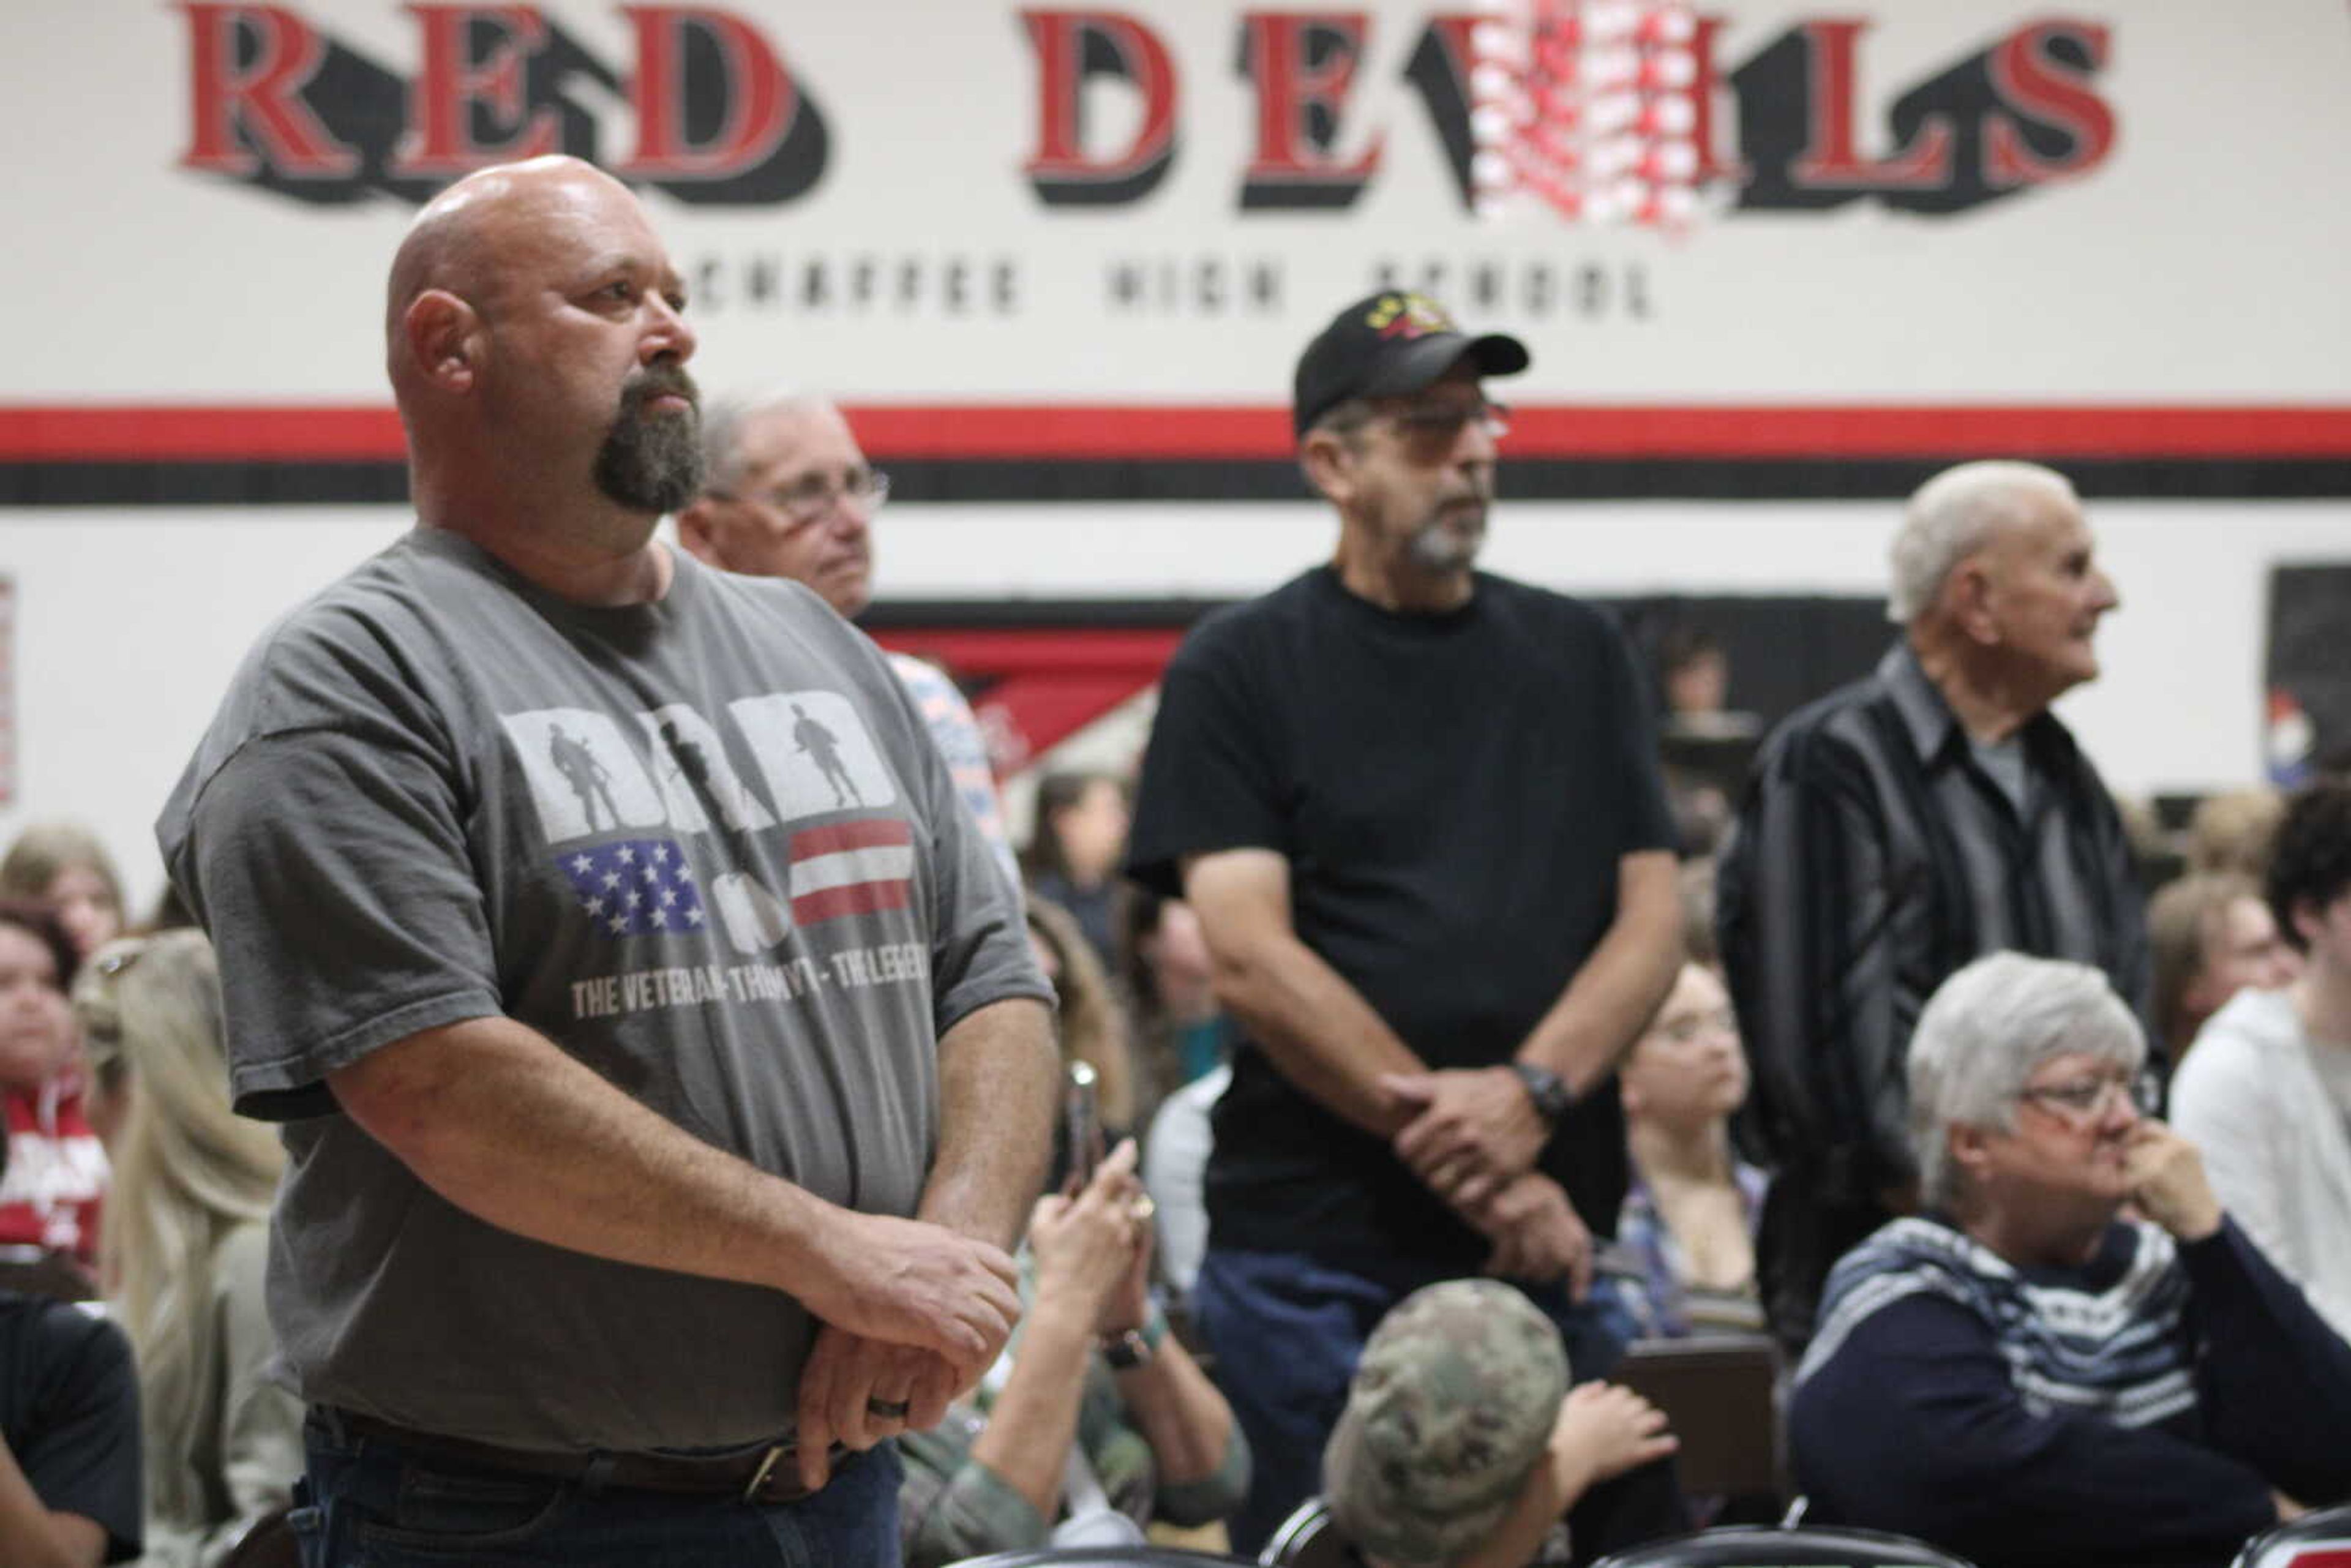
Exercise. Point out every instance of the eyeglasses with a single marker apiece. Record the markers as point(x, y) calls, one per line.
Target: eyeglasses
point(812, 498)
point(1441, 425)
point(2086, 1098)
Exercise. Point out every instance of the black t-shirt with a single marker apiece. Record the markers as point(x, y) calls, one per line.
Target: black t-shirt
point(1453, 793)
point(70, 1410)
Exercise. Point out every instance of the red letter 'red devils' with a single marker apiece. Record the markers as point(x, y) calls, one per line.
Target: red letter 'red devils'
point(449, 85)
point(1302, 64)
point(242, 118)
point(1070, 46)
point(760, 97)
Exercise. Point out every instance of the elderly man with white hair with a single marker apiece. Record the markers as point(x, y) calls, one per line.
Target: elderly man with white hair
point(2021, 1373)
point(1928, 814)
point(787, 492)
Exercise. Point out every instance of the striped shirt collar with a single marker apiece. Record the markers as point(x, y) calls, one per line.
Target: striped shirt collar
point(1935, 730)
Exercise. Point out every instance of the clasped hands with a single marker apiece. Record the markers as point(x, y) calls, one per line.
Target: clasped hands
point(938, 1306)
point(1473, 1137)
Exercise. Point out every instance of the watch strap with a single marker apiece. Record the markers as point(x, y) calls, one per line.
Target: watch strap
point(1546, 1089)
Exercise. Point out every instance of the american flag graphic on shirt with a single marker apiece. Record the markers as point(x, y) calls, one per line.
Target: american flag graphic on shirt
point(851, 868)
point(635, 887)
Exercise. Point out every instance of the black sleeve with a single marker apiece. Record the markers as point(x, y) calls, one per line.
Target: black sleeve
point(1805, 912)
point(1913, 1425)
point(2275, 1380)
point(77, 1442)
point(1210, 779)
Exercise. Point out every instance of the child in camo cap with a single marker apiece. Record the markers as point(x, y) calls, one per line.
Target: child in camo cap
point(1461, 1445)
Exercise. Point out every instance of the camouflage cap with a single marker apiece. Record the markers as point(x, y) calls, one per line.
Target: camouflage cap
point(1451, 1405)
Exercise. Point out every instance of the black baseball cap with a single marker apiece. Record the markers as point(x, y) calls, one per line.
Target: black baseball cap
point(1391, 343)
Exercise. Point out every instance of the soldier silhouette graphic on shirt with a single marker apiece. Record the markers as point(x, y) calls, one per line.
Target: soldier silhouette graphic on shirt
point(823, 748)
point(587, 776)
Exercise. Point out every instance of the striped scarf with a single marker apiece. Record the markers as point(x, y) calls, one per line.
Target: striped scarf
point(2118, 1350)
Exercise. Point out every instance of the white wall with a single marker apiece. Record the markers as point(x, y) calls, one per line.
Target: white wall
point(131, 622)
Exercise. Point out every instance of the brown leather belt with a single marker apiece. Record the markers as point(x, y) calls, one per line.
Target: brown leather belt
point(766, 1474)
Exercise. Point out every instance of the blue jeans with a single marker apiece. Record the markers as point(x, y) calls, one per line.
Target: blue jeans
point(365, 1501)
point(1287, 1332)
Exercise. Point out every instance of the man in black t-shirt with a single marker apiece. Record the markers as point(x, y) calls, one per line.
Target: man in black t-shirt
point(1417, 811)
point(69, 1476)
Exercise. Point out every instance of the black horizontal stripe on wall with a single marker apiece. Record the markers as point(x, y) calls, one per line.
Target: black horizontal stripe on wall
point(1049, 481)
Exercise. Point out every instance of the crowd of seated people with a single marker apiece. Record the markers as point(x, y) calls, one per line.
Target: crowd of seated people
point(137, 1413)
point(185, 1244)
point(1866, 1404)
point(1949, 1394)
point(51, 1195)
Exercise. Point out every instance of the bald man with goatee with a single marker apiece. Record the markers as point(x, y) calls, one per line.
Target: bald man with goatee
point(651, 1162)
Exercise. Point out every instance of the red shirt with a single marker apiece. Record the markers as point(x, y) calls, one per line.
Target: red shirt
point(57, 1173)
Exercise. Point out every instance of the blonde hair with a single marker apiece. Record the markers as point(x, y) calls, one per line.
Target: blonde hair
point(45, 851)
point(2233, 831)
point(1092, 1028)
point(2182, 920)
point(188, 1171)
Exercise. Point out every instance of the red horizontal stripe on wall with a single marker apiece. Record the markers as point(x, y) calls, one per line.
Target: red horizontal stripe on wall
point(286, 434)
point(225, 434)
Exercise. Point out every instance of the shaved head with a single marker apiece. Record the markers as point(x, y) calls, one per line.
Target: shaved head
point(458, 241)
point(533, 329)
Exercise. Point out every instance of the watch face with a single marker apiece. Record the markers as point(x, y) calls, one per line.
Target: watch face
point(1544, 1088)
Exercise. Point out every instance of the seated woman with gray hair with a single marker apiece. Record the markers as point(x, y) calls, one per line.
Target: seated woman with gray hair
point(2023, 1375)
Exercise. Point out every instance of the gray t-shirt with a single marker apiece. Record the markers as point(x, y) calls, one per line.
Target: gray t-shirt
point(704, 844)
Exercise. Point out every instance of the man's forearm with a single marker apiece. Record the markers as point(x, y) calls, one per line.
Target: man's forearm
point(999, 1082)
point(32, 1536)
point(1318, 1030)
point(1180, 1413)
point(502, 1122)
point(1034, 1421)
point(1619, 987)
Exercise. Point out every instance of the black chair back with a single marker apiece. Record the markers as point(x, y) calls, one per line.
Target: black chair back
point(1717, 1394)
point(1102, 1557)
point(2317, 1539)
point(1793, 1546)
point(1309, 1538)
point(269, 1543)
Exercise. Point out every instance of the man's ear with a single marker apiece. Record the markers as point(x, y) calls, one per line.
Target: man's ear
point(443, 337)
point(697, 532)
point(1328, 463)
point(1968, 595)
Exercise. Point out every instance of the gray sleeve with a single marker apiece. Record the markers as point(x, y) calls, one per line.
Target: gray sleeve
point(1215, 1495)
point(967, 1509)
point(331, 868)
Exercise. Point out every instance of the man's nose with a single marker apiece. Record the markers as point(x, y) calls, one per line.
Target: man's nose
point(668, 335)
point(1476, 443)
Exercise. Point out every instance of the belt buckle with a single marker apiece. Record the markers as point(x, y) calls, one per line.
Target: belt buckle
point(767, 1466)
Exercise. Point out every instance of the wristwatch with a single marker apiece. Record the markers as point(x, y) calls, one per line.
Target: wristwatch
point(1131, 1348)
point(1551, 1094)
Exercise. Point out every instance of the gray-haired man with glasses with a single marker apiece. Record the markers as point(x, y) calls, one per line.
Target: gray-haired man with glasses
point(787, 492)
